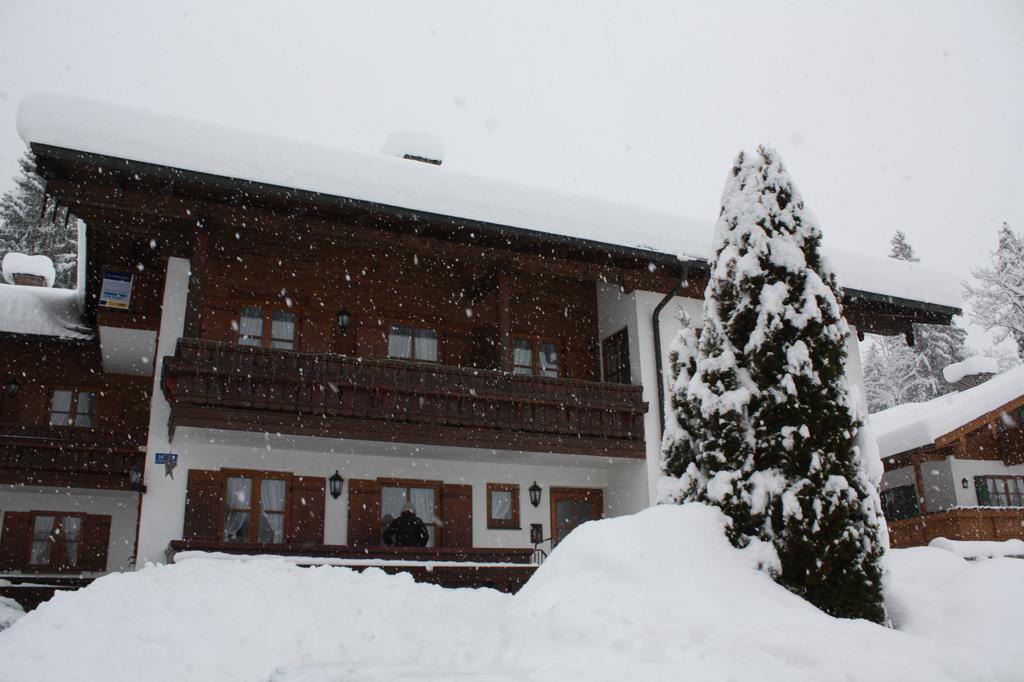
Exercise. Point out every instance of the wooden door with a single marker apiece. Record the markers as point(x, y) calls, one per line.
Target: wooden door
point(571, 507)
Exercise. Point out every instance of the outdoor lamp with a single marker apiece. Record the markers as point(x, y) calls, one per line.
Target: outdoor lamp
point(335, 482)
point(535, 494)
point(135, 477)
point(344, 320)
point(964, 483)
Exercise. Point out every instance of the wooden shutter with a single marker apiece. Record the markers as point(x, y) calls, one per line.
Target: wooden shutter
point(16, 540)
point(92, 552)
point(306, 502)
point(363, 513)
point(457, 515)
point(204, 505)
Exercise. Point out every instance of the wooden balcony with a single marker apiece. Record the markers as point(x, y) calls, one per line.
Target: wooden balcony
point(983, 523)
point(503, 569)
point(221, 385)
point(66, 456)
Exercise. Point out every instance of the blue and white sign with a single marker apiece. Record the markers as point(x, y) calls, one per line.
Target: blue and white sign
point(116, 291)
point(166, 458)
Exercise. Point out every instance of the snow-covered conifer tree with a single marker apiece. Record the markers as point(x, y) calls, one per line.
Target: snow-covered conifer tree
point(901, 248)
point(997, 297)
point(25, 228)
point(938, 346)
point(682, 418)
point(894, 373)
point(777, 448)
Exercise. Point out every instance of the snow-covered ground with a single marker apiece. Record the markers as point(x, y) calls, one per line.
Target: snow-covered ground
point(658, 595)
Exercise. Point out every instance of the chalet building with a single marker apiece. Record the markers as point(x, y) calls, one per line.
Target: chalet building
point(315, 337)
point(954, 466)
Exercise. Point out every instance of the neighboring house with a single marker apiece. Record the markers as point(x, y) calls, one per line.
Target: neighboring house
point(954, 466)
point(328, 335)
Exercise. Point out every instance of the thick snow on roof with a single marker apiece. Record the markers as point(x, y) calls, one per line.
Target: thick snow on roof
point(176, 142)
point(19, 264)
point(913, 425)
point(41, 311)
point(979, 364)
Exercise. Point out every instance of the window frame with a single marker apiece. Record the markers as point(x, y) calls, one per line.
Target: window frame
point(73, 421)
point(257, 476)
point(620, 338)
point(86, 533)
point(535, 345)
point(503, 524)
point(437, 486)
point(1019, 494)
point(414, 327)
point(267, 331)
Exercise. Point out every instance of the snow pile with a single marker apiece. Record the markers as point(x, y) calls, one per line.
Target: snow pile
point(979, 364)
point(147, 136)
point(913, 425)
point(980, 549)
point(659, 595)
point(10, 611)
point(230, 621)
point(41, 311)
point(19, 264)
point(401, 143)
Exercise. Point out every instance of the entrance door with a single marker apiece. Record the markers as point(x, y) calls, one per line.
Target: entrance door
point(572, 506)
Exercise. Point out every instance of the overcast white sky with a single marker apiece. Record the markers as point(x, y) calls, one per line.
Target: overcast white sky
point(890, 115)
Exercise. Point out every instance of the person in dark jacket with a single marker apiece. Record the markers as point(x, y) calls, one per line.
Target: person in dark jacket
point(406, 530)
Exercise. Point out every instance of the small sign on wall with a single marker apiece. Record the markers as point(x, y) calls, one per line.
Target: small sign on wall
point(116, 291)
point(165, 458)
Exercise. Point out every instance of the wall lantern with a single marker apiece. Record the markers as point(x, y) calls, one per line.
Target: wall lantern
point(344, 320)
point(12, 387)
point(135, 477)
point(535, 494)
point(336, 482)
point(964, 483)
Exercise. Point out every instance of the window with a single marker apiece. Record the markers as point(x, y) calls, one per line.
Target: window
point(503, 505)
point(615, 352)
point(254, 507)
point(900, 502)
point(424, 497)
point(999, 491)
point(72, 407)
point(268, 328)
point(537, 357)
point(54, 541)
point(412, 343)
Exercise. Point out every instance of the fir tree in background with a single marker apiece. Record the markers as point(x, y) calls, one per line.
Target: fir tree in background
point(894, 373)
point(938, 346)
point(997, 297)
point(901, 248)
point(25, 229)
point(776, 444)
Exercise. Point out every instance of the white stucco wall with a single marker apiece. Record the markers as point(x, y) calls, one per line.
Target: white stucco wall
point(121, 506)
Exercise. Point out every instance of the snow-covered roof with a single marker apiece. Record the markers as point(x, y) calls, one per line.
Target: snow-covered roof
point(914, 425)
point(19, 264)
point(979, 364)
point(186, 144)
point(39, 311)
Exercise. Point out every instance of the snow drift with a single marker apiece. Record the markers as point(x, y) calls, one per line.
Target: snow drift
point(658, 595)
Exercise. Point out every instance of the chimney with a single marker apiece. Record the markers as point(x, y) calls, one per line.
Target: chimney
point(29, 271)
point(415, 146)
point(971, 372)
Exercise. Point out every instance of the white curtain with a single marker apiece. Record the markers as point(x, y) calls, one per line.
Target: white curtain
point(391, 501)
point(71, 531)
point(426, 345)
point(239, 500)
point(272, 492)
point(423, 500)
point(501, 504)
point(400, 342)
point(41, 542)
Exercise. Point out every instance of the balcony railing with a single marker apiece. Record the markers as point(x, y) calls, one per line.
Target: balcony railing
point(223, 385)
point(964, 523)
point(64, 456)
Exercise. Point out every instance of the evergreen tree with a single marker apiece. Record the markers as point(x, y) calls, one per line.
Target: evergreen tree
point(776, 449)
point(26, 228)
point(997, 297)
point(682, 418)
point(894, 373)
point(938, 346)
point(901, 248)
